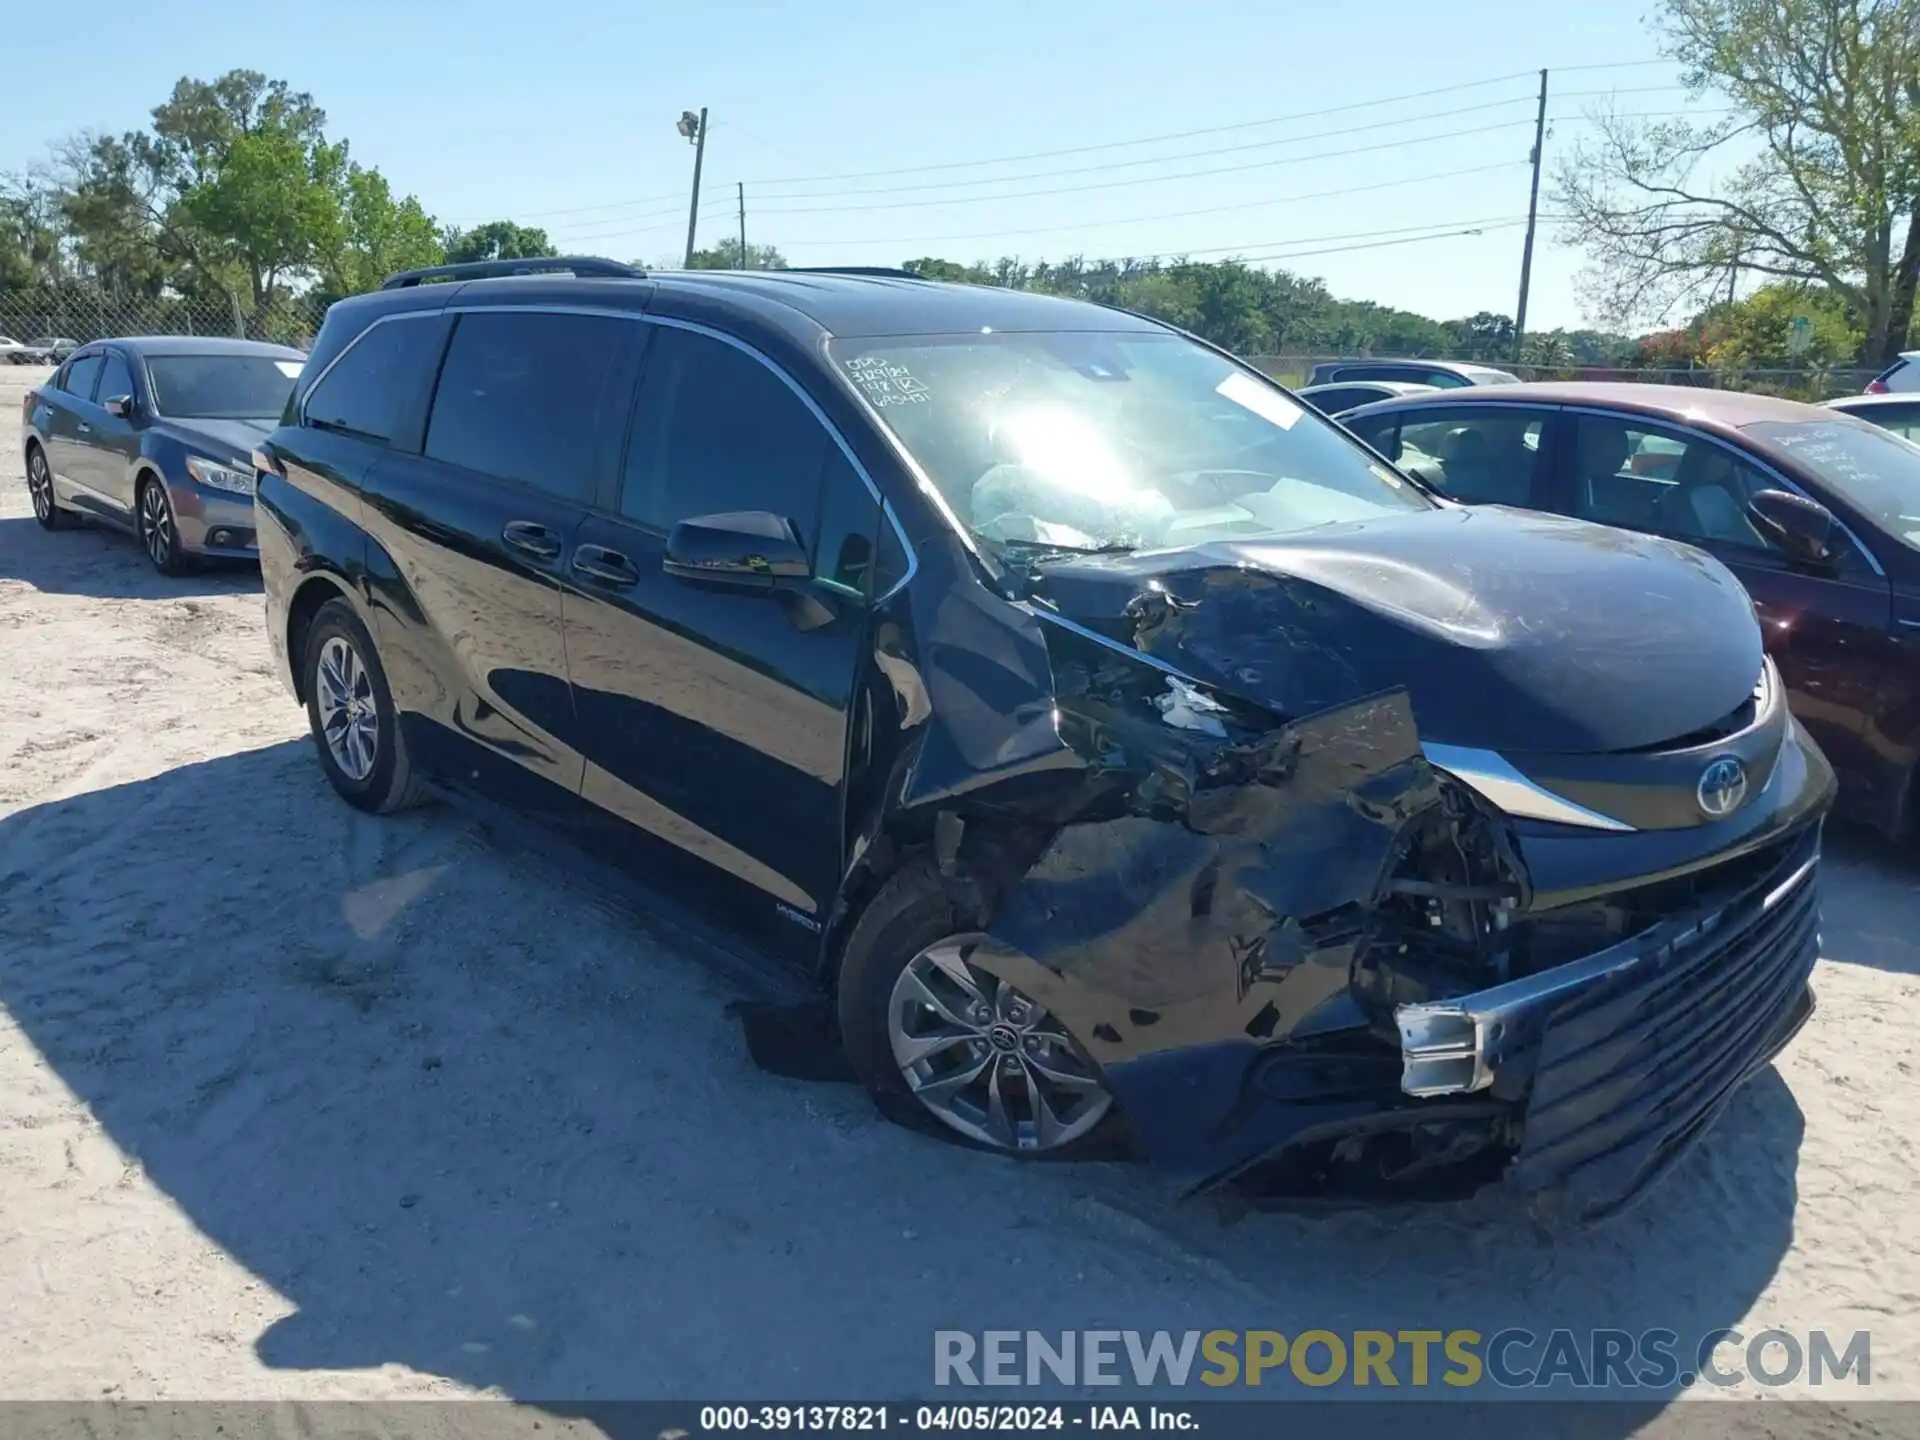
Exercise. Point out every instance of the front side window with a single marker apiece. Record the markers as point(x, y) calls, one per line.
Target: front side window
point(79, 377)
point(363, 392)
point(1094, 441)
point(1686, 487)
point(717, 432)
point(1485, 456)
point(222, 387)
point(533, 397)
point(1874, 470)
point(115, 378)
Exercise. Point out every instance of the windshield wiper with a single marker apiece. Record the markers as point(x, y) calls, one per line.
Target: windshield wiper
point(1036, 550)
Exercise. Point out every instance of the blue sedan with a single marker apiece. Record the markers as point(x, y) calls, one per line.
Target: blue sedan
point(156, 436)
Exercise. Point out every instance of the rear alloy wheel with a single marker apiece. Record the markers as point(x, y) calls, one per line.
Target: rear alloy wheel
point(985, 1059)
point(159, 535)
point(351, 713)
point(40, 488)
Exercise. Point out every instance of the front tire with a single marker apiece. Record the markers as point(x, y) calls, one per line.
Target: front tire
point(159, 532)
point(936, 1037)
point(350, 711)
point(46, 509)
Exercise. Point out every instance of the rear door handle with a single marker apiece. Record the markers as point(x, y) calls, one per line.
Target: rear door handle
point(530, 537)
point(609, 567)
point(85, 428)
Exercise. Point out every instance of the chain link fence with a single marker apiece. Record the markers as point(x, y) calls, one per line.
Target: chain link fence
point(75, 314)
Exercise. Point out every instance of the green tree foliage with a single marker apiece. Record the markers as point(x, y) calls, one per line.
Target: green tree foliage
point(497, 240)
point(235, 193)
point(1814, 177)
point(1756, 333)
point(727, 256)
point(381, 235)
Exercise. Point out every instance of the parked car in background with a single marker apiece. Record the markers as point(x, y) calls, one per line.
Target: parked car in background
point(45, 350)
point(10, 348)
point(1348, 394)
point(1441, 374)
point(155, 436)
point(1901, 377)
point(1105, 733)
point(1898, 411)
point(1815, 510)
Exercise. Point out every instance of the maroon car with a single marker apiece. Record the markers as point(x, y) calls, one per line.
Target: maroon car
point(1817, 512)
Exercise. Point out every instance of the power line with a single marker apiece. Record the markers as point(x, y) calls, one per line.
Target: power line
point(1154, 179)
point(1393, 184)
point(1152, 139)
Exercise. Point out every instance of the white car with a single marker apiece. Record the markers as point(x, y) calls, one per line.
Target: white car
point(1895, 410)
point(1898, 378)
point(8, 345)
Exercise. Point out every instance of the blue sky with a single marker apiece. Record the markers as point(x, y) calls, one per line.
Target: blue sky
point(854, 128)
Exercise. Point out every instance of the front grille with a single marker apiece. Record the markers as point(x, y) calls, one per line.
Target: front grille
point(1631, 1070)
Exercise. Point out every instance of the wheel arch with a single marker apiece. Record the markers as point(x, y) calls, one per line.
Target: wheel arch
point(313, 592)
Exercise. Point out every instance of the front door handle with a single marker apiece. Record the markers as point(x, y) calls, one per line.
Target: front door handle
point(85, 428)
point(530, 537)
point(609, 567)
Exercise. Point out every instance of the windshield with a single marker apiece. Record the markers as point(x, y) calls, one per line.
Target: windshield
point(221, 387)
point(1097, 441)
point(1873, 470)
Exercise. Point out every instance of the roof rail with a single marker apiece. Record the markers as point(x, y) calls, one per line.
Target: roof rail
point(585, 266)
point(887, 272)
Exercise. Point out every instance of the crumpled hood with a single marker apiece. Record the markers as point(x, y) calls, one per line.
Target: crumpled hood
point(1510, 630)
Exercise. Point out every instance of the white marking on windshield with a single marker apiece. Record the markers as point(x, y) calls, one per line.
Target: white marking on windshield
point(1262, 400)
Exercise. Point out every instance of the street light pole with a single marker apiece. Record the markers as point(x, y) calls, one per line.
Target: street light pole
point(694, 127)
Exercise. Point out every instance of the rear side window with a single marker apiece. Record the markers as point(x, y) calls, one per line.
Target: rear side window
point(362, 394)
point(717, 431)
point(534, 397)
point(80, 375)
point(1479, 457)
point(115, 378)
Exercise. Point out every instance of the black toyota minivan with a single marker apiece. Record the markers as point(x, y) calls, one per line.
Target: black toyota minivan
point(1125, 751)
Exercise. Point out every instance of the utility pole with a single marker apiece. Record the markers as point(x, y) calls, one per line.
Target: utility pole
point(1533, 215)
point(741, 186)
point(694, 127)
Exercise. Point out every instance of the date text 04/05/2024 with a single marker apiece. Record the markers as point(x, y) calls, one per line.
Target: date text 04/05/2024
point(942, 1419)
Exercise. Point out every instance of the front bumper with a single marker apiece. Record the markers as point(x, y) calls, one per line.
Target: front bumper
point(213, 522)
point(1214, 975)
point(1618, 1062)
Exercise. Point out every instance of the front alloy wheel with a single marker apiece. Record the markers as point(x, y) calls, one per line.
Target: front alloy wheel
point(159, 535)
point(985, 1059)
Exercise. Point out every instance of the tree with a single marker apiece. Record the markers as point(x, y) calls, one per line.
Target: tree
point(1483, 336)
point(379, 235)
point(235, 187)
point(1814, 177)
point(1756, 332)
point(726, 256)
point(497, 240)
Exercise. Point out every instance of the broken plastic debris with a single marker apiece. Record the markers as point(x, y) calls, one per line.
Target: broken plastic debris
point(1185, 707)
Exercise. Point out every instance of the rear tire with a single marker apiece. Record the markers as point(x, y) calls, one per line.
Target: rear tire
point(350, 710)
point(47, 510)
point(945, 1047)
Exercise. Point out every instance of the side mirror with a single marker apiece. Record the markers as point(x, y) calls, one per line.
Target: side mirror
point(119, 406)
point(746, 549)
point(1802, 528)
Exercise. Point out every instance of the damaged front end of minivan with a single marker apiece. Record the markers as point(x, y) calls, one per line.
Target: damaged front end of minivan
point(1304, 959)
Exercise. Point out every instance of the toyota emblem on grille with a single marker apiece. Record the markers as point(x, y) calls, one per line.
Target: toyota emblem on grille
point(1723, 785)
